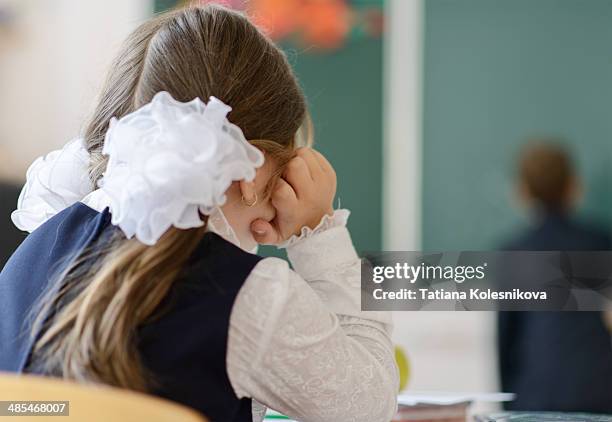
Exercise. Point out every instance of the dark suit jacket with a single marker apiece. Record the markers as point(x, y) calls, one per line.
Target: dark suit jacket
point(557, 361)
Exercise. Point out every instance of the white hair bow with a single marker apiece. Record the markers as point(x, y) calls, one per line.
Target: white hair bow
point(168, 161)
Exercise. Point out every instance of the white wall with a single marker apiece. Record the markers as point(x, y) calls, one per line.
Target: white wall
point(53, 58)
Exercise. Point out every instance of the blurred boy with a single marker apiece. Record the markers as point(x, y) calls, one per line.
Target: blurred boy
point(555, 361)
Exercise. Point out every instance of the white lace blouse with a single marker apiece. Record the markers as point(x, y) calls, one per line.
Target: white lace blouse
point(298, 341)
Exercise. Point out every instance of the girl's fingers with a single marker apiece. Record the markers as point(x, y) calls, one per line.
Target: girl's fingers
point(309, 156)
point(297, 175)
point(325, 164)
point(284, 196)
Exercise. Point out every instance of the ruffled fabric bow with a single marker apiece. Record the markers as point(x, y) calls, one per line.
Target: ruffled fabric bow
point(168, 161)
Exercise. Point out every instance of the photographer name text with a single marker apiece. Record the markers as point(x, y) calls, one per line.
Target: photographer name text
point(472, 294)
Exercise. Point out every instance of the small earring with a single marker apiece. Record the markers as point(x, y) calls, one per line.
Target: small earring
point(247, 203)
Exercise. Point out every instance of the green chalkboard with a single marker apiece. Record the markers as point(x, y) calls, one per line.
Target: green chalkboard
point(497, 71)
point(344, 92)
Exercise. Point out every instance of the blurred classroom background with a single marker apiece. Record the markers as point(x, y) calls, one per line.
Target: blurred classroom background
point(421, 105)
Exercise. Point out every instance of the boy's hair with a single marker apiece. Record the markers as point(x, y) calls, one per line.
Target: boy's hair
point(547, 172)
point(109, 291)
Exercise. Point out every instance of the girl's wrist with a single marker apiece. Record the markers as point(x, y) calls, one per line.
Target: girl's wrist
point(339, 218)
point(315, 222)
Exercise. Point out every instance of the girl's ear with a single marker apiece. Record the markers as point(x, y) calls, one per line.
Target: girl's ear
point(248, 190)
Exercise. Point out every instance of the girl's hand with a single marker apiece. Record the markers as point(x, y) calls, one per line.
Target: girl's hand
point(303, 195)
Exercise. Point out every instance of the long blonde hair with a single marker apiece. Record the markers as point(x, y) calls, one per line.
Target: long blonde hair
point(88, 326)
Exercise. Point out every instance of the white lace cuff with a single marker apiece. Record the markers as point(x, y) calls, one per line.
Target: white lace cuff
point(323, 251)
point(337, 219)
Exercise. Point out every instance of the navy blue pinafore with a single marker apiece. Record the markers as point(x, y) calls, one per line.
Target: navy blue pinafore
point(185, 349)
